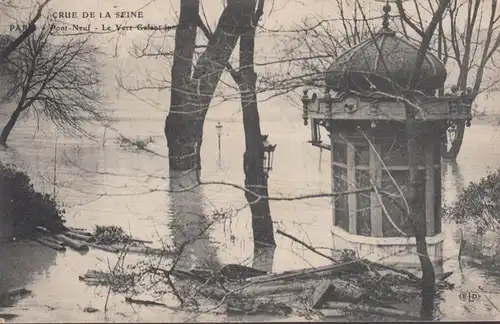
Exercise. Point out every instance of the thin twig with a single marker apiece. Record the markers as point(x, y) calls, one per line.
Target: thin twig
point(305, 245)
point(460, 250)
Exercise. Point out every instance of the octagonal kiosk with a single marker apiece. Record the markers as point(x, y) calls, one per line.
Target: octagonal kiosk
point(365, 116)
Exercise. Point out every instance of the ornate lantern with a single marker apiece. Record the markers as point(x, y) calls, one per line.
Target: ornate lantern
point(219, 133)
point(267, 161)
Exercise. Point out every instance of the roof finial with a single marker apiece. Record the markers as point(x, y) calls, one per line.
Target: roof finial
point(386, 9)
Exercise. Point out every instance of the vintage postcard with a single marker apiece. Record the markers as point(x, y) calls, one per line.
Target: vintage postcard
point(249, 160)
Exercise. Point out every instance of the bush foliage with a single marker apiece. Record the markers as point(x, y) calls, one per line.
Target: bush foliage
point(25, 207)
point(478, 204)
point(110, 235)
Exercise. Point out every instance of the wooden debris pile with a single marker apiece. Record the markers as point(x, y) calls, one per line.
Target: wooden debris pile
point(108, 238)
point(116, 281)
point(351, 287)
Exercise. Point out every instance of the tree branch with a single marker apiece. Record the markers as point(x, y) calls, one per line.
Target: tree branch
point(31, 28)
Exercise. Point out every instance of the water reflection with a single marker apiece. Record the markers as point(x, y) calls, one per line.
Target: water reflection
point(263, 258)
point(453, 180)
point(22, 263)
point(189, 223)
point(457, 176)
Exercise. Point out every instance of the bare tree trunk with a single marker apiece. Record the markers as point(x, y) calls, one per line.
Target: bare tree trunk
point(181, 139)
point(184, 124)
point(417, 217)
point(255, 177)
point(189, 223)
point(8, 127)
point(417, 211)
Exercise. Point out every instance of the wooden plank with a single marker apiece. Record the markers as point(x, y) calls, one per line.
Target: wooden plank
point(371, 310)
point(376, 216)
point(430, 195)
point(320, 293)
point(332, 313)
point(351, 185)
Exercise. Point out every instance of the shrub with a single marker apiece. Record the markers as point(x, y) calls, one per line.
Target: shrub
point(138, 142)
point(478, 204)
point(110, 235)
point(25, 207)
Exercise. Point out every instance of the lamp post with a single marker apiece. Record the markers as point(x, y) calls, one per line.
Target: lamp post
point(267, 162)
point(219, 132)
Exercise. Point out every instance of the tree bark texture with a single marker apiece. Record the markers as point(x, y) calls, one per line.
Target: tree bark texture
point(10, 124)
point(255, 177)
point(180, 135)
point(191, 95)
point(417, 216)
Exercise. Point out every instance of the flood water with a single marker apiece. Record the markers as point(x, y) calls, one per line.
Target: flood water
point(103, 183)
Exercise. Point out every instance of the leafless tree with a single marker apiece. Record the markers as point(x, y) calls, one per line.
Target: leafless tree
point(57, 78)
point(255, 177)
point(15, 42)
point(192, 91)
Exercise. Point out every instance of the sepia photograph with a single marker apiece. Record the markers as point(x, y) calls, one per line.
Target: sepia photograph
point(249, 161)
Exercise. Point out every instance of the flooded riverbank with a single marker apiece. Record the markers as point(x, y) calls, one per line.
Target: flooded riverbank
point(112, 185)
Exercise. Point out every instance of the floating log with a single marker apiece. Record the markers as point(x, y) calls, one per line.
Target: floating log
point(53, 240)
point(42, 229)
point(349, 266)
point(144, 250)
point(116, 248)
point(369, 310)
point(78, 229)
point(95, 277)
point(236, 271)
point(95, 273)
point(140, 241)
point(84, 233)
point(50, 244)
point(74, 244)
point(80, 237)
point(143, 302)
point(93, 281)
point(103, 247)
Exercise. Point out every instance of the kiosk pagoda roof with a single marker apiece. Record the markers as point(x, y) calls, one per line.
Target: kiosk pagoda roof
point(385, 61)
